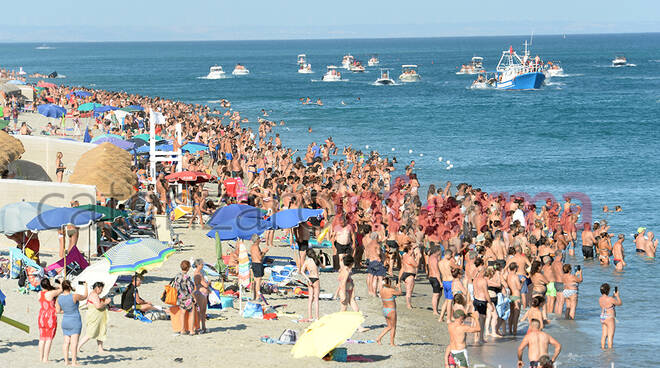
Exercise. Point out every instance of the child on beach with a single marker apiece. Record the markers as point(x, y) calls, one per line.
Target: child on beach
point(388, 295)
point(311, 265)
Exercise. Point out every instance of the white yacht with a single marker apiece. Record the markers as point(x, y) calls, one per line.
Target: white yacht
point(347, 61)
point(332, 75)
point(305, 69)
point(619, 60)
point(302, 59)
point(216, 72)
point(240, 70)
point(475, 66)
point(409, 73)
point(356, 67)
point(384, 78)
point(373, 61)
point(553, 69)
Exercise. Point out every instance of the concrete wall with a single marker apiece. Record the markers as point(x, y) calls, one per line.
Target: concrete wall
point(54, 194)
point(42, 151)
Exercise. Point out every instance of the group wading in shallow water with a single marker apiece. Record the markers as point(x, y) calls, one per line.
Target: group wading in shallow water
point(492, 262)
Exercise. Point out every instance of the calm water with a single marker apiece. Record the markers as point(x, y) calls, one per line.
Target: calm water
point(594, 132)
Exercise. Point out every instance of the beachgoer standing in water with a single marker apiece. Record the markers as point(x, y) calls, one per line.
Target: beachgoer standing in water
point(617, 253)
point(608, 313)
point(537, 343)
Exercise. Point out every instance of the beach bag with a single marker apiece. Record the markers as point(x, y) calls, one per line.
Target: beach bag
point(214, 298)
point(253, 310)
point(288, 337)
point(170, 295)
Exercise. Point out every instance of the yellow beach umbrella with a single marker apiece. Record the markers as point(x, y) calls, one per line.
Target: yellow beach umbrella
point(327, 333)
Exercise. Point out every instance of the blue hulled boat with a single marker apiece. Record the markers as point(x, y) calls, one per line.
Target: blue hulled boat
point(514, 72)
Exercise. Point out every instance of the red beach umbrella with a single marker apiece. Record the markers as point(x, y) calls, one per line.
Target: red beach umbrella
point(189, 177)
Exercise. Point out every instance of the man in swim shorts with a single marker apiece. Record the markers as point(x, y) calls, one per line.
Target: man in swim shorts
point(456, 350)
point(537, 343)
point(445, 265)
point(257, 266)
point(434, 278)
point(481, 301)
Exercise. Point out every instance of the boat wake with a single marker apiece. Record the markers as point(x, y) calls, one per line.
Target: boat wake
point(321, 80)
point(565, 76)
point(214, 78)
point(393, 84)
point(622, 66)
point(481, 86)
point(60, 76)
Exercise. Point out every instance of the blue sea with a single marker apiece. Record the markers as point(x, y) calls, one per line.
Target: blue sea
point(593, 133)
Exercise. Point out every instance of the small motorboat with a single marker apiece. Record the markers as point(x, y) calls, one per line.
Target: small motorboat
point(216, 72)
point(356, 67)
point(553, 69)
point(305, 69)
point(332, 75)
point(619, 60)
point(240, 70)
point(482, 82)
point(302, 59)
point(21, 71)
point(347, 61)
point(475, 66)
point(373, 61)
point(409, 73)
point(384, 78)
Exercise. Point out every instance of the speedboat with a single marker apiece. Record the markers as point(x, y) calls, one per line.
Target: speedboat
point(373, 61)
point(240, 70)
point(216, 72)
point(44, 47)
point(475, 66)
point(384, 78)
point(21, 71)
point(409, 73)
point(332, 75)
point(619, 60)
point(553, 69)
point(514, 72)
point(302, 59)
point(305, 69)
point(347, 61)
point(356, 67)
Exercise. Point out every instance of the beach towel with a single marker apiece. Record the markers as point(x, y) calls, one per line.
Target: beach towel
point(503, 306)
point(97, 323)
point(16, 257)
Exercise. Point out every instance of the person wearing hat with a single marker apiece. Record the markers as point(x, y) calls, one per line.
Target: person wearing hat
point(456, 352)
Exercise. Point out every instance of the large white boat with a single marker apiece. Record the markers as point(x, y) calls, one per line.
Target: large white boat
point(302, 59)
point(240, 70)
point(332, 75)
point(347, 61)
point(356, 67)
point(384, 78)
point(475, 66)
point(553, 69)
point(514, 72)
point(373, 61)
point(619, 60)
point(409, 73)
point(216, 72)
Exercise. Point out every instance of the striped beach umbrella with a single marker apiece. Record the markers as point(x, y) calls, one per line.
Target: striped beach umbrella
point(137, 255)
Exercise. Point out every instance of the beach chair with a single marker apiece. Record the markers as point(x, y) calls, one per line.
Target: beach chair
point(282, 275)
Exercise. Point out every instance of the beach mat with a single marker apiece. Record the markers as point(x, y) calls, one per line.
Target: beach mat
point(16, 324)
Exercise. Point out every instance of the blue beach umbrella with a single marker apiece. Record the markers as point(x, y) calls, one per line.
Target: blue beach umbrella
point(108, 135)
point(79, 93)
point(51, 111)
point(291, 217)
point(104, 108)
point(14, 217)
point(117, 142)
point(62, 216)
point(228, 213)
point(241, 227)
point(194, 147)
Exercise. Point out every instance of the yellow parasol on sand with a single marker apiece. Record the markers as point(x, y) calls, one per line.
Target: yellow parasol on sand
point(108, 167)
point(10, 149)
point(327, 333)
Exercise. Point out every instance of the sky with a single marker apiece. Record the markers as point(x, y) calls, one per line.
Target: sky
point(168, 20)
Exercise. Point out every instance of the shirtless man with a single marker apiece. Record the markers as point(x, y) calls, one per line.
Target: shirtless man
point(375, 269)
point(257, 266)
point(457, 346)
point(481, 301)
point(651, 244)
point(617, 253)
point(342, 238)
point(434, 278)
point(523, 263)
point(515, 285)
point(537, 343)
point(588, 241)
point(446, 264)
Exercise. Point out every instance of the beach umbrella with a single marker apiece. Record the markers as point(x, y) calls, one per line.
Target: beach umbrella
point(97, 272)
point(16, 81)
point(108, 213)
point(194, 147)
point(291, 217)
point(132, 108)
point(137, 255)
point(232, 211)
point(239, 227)
point(330, 331)
point(14, 217)
point(3, 124)
point(137, 142)
point(11, 149)
point(51, 111)
point(116, 141)
point(104, 108)
point(46, 84)
point(189, 177)
point(59, 217)
point(107, 135)
point(145, 137)
point(89, 106)
point(79, 93)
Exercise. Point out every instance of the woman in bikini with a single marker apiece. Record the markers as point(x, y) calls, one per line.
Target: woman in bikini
point(201, 293)
point(59, 167)
point(608, 314)
point(345, 288)
point(388, 295)
point(311, 266)
point(570, 292)
point(539, 281)
point(409, 264)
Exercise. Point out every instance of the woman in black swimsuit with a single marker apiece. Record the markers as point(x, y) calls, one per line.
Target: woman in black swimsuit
point(59, 171)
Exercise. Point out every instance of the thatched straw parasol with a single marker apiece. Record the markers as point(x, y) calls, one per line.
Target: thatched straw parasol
point(108, 167)
point(10, 149)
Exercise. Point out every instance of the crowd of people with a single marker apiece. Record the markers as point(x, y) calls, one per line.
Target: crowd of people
point(491, 261)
